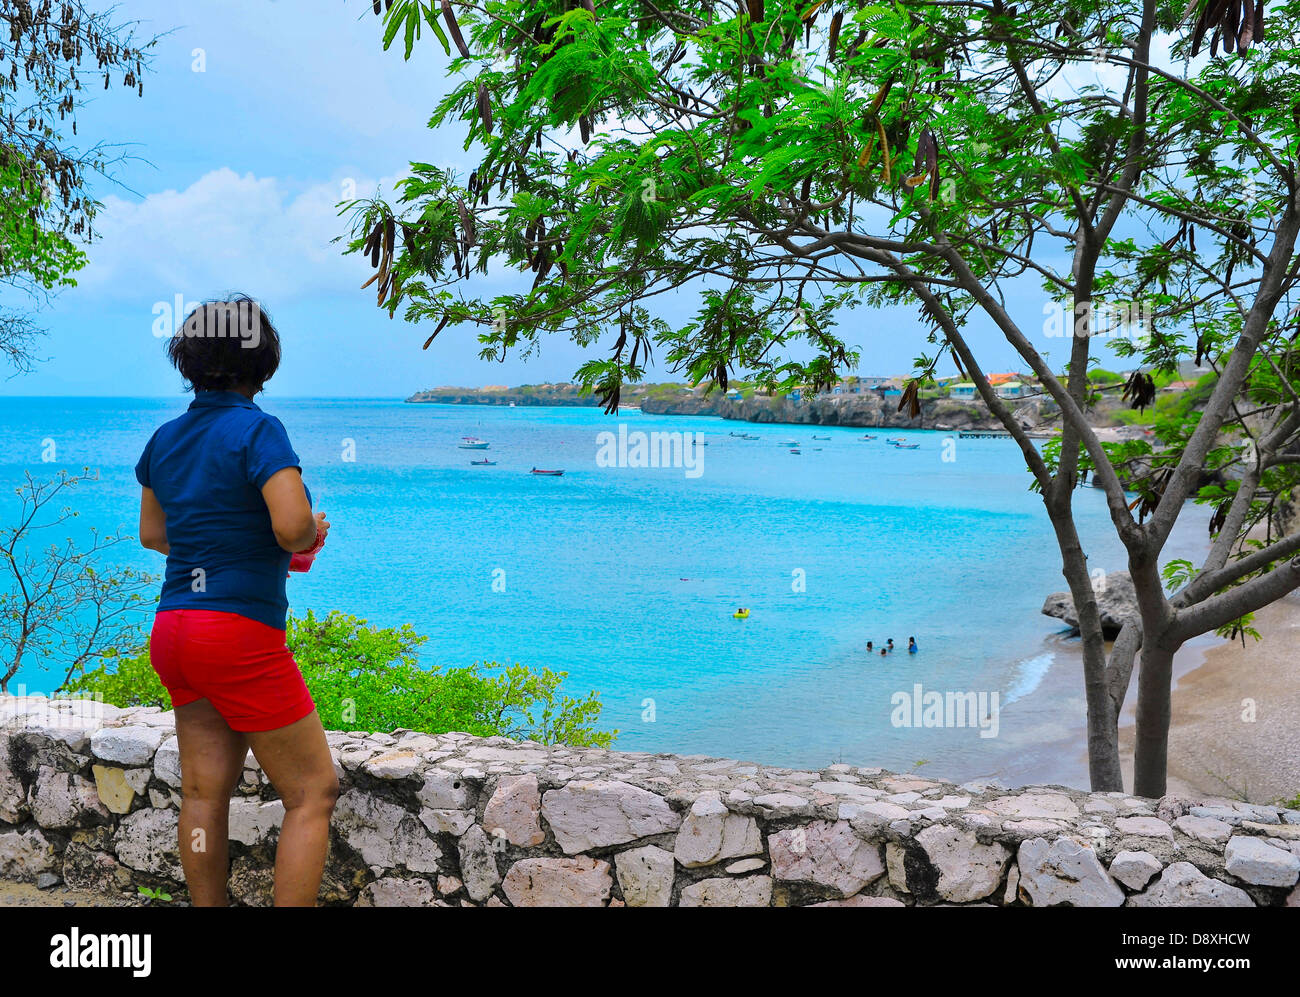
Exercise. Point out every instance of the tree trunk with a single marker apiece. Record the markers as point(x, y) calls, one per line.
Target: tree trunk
point(1151, 756)
point(1103, 718)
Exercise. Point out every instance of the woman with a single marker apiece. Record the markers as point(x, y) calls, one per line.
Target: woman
point(223, 498)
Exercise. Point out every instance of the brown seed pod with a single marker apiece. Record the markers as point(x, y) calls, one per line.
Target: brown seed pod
point(484, 108)
point(453, 29)
point(441, 325)
point(836, 21)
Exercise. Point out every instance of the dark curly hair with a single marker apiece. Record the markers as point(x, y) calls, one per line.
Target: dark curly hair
point(225, 345)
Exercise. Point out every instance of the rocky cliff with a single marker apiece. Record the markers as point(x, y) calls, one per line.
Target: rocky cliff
point(864, 410)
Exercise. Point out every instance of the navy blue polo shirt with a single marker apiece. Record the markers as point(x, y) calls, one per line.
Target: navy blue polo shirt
point(207, 468)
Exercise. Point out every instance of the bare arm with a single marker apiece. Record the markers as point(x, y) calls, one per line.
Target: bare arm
point(291, 516)
point(153, 523)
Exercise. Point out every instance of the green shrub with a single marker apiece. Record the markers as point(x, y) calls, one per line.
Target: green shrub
point(369, 678)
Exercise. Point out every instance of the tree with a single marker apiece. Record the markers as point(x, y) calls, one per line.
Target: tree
point(57, 605)
point(785, 164)
point(369, 678)
point(46, 211)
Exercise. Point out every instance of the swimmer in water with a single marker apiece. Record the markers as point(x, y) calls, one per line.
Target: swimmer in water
point(883, 652)
point(891, 643)
point(870, 648)
point(911, 645)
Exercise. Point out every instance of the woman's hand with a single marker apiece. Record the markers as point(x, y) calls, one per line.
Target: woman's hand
point(322, 528)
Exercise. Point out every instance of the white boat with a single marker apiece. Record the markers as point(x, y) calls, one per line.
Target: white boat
point(473, 443)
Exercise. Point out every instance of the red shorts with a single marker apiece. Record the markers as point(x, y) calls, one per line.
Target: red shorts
point(239, 665)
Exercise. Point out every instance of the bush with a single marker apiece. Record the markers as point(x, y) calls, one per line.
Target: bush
point(369, 678)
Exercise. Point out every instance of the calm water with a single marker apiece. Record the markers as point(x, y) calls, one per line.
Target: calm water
point(627, 578)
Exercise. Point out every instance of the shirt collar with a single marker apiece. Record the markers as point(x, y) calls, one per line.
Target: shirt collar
point(227, 399)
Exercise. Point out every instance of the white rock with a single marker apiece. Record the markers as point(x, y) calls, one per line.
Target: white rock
point(1256, 861)
point(1135, 869)
point(711, 833)
point(252, 822)
point(1183, 885)
point(167, 762)
point(133, 745)
point(968, 870)
point(827, 854)
point(384, 834)
point(24, 855)
point(750, 891)
point(1065, 872)
point(478, 866)
point(588, 814)
point(146, 840)
point(646, 876)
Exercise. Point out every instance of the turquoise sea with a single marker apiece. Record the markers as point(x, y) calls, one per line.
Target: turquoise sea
point(627, 577)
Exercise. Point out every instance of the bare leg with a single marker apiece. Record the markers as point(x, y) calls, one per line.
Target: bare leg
point(212, 757)
point(297, 761)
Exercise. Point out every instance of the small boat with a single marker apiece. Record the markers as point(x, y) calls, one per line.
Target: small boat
point(790, 443)
point(554, 474)
point(906, 446)
point(821, 437)
point(473, 443)
point(868, 436)
point(750, 437)
point(741, 435)
point(796, 451)
point(484, 463)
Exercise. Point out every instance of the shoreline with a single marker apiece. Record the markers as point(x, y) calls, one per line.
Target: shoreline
point(1215, 749)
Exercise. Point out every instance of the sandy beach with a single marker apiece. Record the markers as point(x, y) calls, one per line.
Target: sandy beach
point(1236, 717)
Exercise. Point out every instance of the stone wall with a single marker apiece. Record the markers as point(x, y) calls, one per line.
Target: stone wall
point(89, 794)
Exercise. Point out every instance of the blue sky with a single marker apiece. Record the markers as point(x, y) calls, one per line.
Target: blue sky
point(256, 118)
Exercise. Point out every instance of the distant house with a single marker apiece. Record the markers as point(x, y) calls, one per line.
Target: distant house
point(1012, 389)
point(796, 394)
point(837, 390)
point(734, 395)
point(872, 382)
point(962, 389)
point(1179, 386)
point(996, 379)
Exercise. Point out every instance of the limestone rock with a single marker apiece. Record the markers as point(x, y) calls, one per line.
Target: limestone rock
point(588, 814)
point(646, 876)
point(1065, 872)
point(132, 745)
point(455, 822)
point(1145, 827)
point(1256, 861)
point(1035, 805)
point(445, 790)
point(167, 762)
point(1116, 602)
point(861, 901)
point(478, 865)
point(394, 891)
point(827, 854)
point(968, 870)
point(65, 800)
point(24, 855)
point(558, 882)
point(1183, 885)
point(1209, 830)
point(1135, 869)
point(252, 822)
point(711, 833)
point(749, 891)
point(146, 840)
point(384, 834)
point(13, 798)
point(87, 869)
point(515, 810)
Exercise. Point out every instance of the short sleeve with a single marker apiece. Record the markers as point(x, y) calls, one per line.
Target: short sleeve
point(142, 465)
point(267, 450)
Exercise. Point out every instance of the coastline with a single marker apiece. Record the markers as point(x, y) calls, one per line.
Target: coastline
point(1213, 749)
